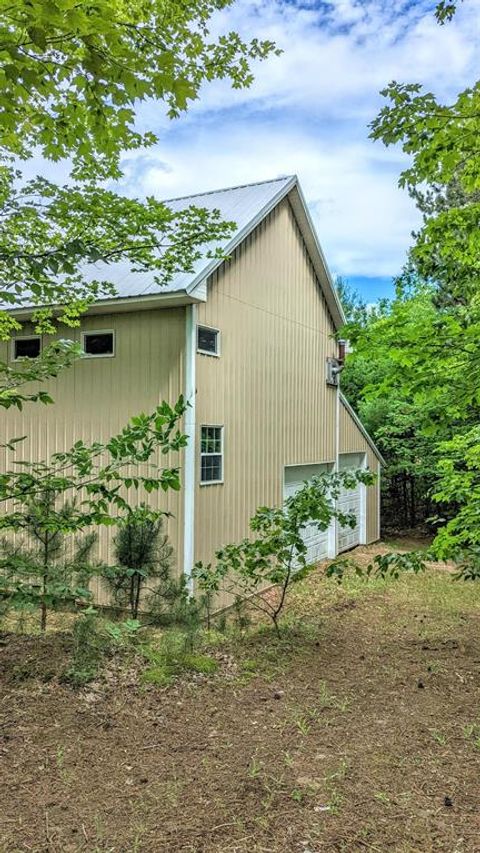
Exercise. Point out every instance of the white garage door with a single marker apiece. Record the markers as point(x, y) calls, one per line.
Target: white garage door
point(350, 501)
point(316, 540)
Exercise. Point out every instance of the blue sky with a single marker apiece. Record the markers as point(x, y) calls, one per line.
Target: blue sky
point(308, 113)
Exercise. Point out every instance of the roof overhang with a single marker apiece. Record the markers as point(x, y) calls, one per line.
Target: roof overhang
point(117, 305)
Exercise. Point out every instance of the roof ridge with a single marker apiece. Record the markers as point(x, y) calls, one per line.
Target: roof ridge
point(228, 189)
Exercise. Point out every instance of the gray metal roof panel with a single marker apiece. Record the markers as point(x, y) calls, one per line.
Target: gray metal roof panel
point(241, 205)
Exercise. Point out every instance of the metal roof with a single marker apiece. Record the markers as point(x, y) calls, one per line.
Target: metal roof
point(242, 205)
point(247, 206)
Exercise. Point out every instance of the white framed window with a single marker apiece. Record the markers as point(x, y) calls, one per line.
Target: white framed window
point(26, 346)
point(208, 340)
point(211, 454)
point(98, 343)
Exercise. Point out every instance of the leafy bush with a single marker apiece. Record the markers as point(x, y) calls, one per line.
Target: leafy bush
point(277, 554)
point(95, 640)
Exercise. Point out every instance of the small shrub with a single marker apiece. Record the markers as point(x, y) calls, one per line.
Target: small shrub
point(249, 665)
point(158, 676)
point(174, 655)
point(143, 563)
point(91, 645)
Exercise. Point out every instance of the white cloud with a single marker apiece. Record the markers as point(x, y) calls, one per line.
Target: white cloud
point(338, 61)
point(308, 112)
point(363, 221)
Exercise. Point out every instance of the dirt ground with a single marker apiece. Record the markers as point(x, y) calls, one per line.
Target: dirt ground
point(358, 730)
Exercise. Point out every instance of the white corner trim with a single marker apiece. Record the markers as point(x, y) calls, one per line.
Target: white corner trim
point(363, 505)
point(189, 458)
point(334, 528)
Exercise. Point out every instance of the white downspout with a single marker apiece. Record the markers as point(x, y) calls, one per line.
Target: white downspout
point(189, 458)
point(337, 457)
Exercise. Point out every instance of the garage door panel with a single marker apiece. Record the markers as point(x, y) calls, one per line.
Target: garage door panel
point(350, 502)
point(316, 540)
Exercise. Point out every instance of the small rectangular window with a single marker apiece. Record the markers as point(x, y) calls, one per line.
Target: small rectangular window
point(99, 344)
point(27, 347)
point(211, 454)
point(208, 340)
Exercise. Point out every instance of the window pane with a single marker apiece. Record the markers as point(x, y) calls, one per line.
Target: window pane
point(98, 343)
point(207, 340)
point(27, 347)
point(211, 440)
point(211, 468)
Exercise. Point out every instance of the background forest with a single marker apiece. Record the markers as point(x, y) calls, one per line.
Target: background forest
point(414, 370)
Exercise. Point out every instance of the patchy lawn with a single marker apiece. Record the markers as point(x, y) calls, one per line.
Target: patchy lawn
point(359, 730)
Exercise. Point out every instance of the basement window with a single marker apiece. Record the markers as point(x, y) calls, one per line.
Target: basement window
point(208, 340)
point(27, 347)
point(211, 455)
point(98, 344)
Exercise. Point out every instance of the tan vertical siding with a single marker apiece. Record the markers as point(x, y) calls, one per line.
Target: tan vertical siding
point(352, 440)
point(268, 387)
point(97, 396)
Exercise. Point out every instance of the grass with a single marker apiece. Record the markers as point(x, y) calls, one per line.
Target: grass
point(320, 740)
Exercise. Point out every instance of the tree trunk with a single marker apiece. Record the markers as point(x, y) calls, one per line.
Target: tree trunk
point(413, 508)
point(43, 611)
point(137, 596)
point(405, 499)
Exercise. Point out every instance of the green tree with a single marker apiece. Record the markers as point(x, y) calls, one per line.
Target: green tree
point(73, 73)
point(375, 383)
point(72, 77)
point(52, 239)
point(431, 334)
point(83, 487)
point(43, 568)
point(143, 564)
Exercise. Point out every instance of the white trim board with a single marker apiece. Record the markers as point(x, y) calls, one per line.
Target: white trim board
point(189, 453)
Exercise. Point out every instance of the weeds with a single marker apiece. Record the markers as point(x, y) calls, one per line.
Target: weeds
point(303, 726)
point(472, 732)
point(173, 656)
point(65, 774)
point(438, 737)
point(254, 768)
point(382, 797)
point(335, 796)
